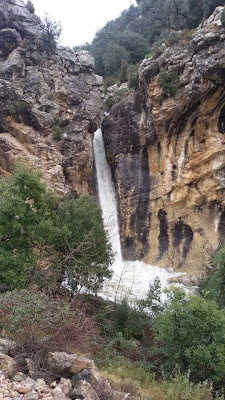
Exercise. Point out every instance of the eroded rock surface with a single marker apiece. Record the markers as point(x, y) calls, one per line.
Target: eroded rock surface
point(168, 157)
point(50, 103)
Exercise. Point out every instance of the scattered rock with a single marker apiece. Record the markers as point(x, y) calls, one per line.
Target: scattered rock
point(63, 364)
point(6, 345)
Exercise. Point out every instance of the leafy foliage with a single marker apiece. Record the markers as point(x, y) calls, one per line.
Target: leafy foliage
point(133, 78)
point(123, 71)
point(82, 243)
point(169, 82)
point(44, 242)
point(214, 286)
point(113, 57)
point(191, 332)
point(51, 34)
point(56, 132)
point(139, 27)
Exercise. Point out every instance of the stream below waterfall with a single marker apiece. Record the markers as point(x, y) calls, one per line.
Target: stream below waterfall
point(130, 278)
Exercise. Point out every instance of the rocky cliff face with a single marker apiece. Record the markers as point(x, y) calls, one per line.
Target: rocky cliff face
point(168, 156)
point(50, 103)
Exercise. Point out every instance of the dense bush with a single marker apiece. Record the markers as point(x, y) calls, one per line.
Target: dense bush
point(51, 34)
point(214, 287)
point(26, 315)
point(169, 82)
point(191, 332)
point(40, 324)
point(123, 71)
point(133, 78)
point(56, 132)
point(45, 242)
point(18, 107)
point(82, 243)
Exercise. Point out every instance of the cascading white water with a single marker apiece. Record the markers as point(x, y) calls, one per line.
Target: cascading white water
point(130, 278)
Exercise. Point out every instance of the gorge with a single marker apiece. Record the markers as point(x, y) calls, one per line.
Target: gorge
point(166, 153)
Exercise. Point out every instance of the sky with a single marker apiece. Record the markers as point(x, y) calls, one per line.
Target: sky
point(80, 19)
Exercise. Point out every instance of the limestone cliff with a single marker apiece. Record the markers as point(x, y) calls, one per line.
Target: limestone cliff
point(50, 102)
point(168, 155)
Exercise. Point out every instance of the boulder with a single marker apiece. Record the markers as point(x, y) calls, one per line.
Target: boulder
point(6, 345)
point(58, 394)
point(66, 365)
point(7, 365)
point(9, 40)
point(84, 390)
point(95, 379)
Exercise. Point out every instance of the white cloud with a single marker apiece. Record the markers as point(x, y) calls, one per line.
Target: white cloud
point(80, 19)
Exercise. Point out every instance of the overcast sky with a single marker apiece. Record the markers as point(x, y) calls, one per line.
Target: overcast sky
point(80, 19)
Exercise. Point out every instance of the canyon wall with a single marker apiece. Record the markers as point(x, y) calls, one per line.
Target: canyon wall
point(50, 103)
point(168, 155)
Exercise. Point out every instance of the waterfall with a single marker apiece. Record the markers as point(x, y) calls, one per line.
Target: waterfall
point(130, 278)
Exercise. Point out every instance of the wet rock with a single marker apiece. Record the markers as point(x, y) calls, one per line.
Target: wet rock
point(168, 155)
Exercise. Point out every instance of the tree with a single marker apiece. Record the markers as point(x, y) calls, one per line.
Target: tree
point(51, 33)
point(135, 44)
point(83, 244)
point(26, 219)
point(123, 71)
point(214, 286)
point(68, 238)
point(191, 332)
point(113, 56)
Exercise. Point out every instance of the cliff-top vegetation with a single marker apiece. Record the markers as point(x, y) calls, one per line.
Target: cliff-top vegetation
point(139, 30)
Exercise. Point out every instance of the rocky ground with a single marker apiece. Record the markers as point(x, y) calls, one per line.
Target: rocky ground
point(68, 376)
point(23, 387)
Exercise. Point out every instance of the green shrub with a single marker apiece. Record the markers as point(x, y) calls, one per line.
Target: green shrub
point(44, 243)
point(56, 132)
point(18, 107)
point(51, 34)
point(26, 314)
point(133, 77)
point(123, 71)
point(26, 216)
point(191, 332)
point(214, 287)
point(172, 39)
point(82, 243)
point(169, 82)
point(223, 18)
point(39, 324)
point(127, 376)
